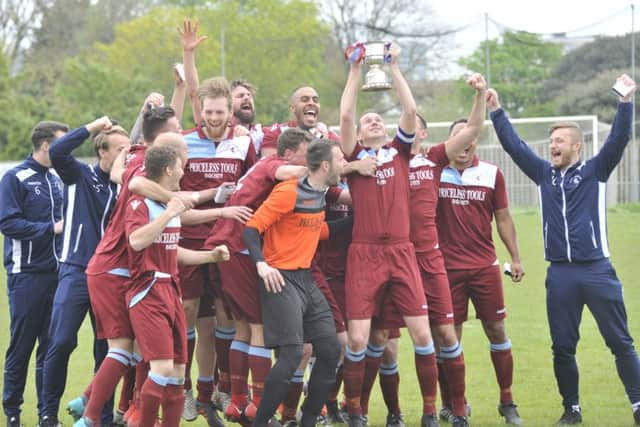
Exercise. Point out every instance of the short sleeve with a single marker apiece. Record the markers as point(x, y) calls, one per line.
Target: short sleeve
point(500, 198)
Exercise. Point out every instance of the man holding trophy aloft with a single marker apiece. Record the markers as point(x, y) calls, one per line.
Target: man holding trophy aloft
point(381, 258)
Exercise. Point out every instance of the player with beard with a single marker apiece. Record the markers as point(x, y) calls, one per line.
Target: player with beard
point(292, 220)
point(217, 157)
point(239, 276)
point(304, 106)
point(244, 110)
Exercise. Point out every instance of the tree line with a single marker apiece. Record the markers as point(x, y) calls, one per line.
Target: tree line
point(74, 60)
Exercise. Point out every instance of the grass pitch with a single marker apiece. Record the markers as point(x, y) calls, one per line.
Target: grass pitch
point(602, 396)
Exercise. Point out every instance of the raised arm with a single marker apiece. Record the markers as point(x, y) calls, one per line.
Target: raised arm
point(457, 143)
point(348, 109)
point(154, 99)
point(611, 152)
point(190, 41)
point(179, 92)
point(530, 163)
point(407, 120)
point(190, 257)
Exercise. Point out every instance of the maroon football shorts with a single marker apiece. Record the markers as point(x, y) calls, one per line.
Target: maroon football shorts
point(107, 293)
point(484, 287)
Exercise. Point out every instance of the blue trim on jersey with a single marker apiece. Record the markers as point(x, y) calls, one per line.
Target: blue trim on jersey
point(156, 209)
point(198, 148)
point(122, 272)
point(138, 297)
point(451, 176)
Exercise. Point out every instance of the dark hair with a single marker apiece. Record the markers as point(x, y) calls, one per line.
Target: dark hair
point(101, 139)
point(455, 122)
point(422, 121)
point(157, 159)
point(320, 151)
point(46, 132)
point(291, 139)
point(154, 121)
point(245, 84)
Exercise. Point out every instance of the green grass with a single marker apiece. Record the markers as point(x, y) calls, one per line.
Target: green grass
point(602, 395)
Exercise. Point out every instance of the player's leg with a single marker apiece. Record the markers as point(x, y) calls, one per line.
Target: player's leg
point(604, 297)
point(564, 313)
point(259, 365)
point(70, 305)
point(283, 328)
point(292, 399)
point(239, 368)
point(320, 329)
point(485, 288)
point(372, 361)
point(390, 380)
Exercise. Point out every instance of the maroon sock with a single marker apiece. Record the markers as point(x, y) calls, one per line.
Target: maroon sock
point(224, 337)
point(454, 372)
point(191, 345)
point(172, 405)
point(333, 394)
point(372, 363)
point(238, 372)
point(142, 370)
point(503, 365)
point(290, 402)
point(389, 385)
point(352, 376)
point(260, 365)
point(126, 392)
point(428, 378)
point(104, 384)
point(442, 382)
point(205, 389)
point(151, 397)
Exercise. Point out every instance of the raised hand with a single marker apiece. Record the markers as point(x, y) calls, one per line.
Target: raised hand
point(189, 35)
point(493, 103)
point(477, 82)
point(393, 52)
point(99, 125)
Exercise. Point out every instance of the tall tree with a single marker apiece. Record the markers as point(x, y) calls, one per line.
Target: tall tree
point(520, 63)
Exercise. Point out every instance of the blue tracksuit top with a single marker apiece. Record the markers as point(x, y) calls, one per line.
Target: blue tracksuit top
point(573, 202)
point(30, 203)
point(89, 199)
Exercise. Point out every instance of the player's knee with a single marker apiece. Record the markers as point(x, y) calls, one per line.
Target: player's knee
point(495, 331)
point(328, 349)
point(621, 346)
point(63, 344)
point(357, 342)
point(289, 359)
point(564, 351)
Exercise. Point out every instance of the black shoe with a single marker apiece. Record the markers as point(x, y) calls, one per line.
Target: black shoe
point(510, 413)
point(356, 421)
point(395, 420)
point(446, 414)
point(636, 416)
point(429, 420)
point(459, 421)
point(209, 411)
point(49, 421)
point(571, 416)
point(334, 415)
point(14, 421)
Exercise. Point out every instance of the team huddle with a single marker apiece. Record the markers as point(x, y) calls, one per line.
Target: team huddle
point(293, 244)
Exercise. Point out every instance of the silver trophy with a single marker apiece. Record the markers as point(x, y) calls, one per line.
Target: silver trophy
point(374, 56)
